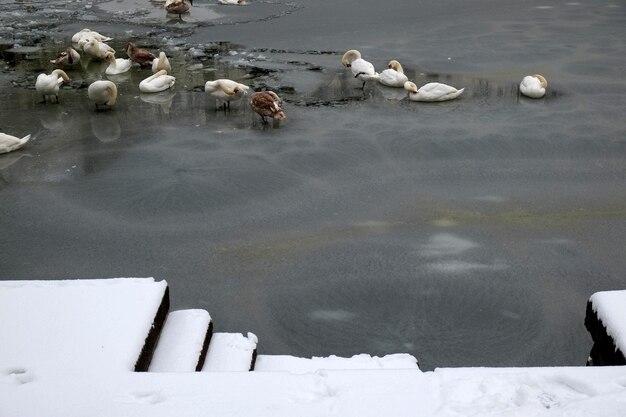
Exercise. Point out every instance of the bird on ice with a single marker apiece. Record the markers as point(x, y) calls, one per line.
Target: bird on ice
point(102, 93)
point(361, 69)
point(225, 90)
point(267, 104)
point(432, 92)
point(142, 57)
point(10, 143)
point(393, 76)
point(533, 86)
point(49, 84)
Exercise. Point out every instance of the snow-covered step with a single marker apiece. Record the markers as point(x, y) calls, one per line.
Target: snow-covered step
point(100, 325)
point(184, 341)
point(297, 365)
point(606, 322)
point(231, 352)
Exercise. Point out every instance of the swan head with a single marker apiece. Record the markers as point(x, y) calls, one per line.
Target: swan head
point(109, 57)
point(395, 65)
point(410, 87)
point(61, 74)
point(350, 56)
point(542, 80)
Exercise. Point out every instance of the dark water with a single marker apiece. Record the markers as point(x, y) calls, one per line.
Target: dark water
point(469, 232)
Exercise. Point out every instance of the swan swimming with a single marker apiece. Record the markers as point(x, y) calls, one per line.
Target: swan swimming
point(95, 49)
point(225, 90)
point(67, 58)
point(116, 65)
point(48, 85)
point(178, 6)
point(157, 82)
point(88, 33)
point(361, 69)
point(161, 63)
point(10, 143)
point(533, 86)
point(432, 92)
point(102, 93)
point(140, 56)
point(267, 104)
point(393, 76)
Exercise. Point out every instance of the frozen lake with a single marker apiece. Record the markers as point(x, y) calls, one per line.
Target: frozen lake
point(467, 233)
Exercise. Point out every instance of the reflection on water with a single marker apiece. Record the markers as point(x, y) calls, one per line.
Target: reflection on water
point(106, 127)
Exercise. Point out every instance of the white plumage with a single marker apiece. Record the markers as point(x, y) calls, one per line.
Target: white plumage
point(533, 86)
point(225, 90)
point(432, 92)
point(360, 68)
point(157, 82)
point(393, 76)
point(102, 93)
point(10, 143)
point(116, 65)
point(49, 84)
point(161, 63)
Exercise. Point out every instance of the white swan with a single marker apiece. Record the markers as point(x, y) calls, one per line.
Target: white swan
point(161, 63)
point(88, 33)
point(432, 92)
point(116, 65)
point(533, 86)
point(157, 82)
point(49, 84)
point(102, 93)
point(10, 143)
point(393, 76)
point(239, 2)
point(361, 69)
point(95, 49)
point(225, 90)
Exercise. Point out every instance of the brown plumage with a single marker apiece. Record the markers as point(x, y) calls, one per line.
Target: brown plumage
point(140, 56)
point(267, 104)
point(178, 6)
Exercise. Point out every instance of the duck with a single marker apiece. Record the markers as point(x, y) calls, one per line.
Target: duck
point(142, 57)
point(68, 58)
point(161, 63)
point(533, 86)
point(10, 143)
point(49, 84)
point(88, 33)
point(157, 82)
point(267, 104)
point(361, 69)
point(102, 93)
point(225, 90)
point(432, 92)
point(95, 48)
point(393, 76)
point(116, 65)
point(178, 6)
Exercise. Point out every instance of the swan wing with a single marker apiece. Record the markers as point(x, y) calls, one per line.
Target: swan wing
point(438, 92)
point(363, 69)
point(392, 78)
point(10, 143)
point(531, 87)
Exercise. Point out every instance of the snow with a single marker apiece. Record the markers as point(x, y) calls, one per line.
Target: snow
point(181, 341)
point(362, 361)
point(68, 349)
point(610, 307)
point(230, 352)
point(70, 325)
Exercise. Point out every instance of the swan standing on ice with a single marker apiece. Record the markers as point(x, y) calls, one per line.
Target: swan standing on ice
point(89, 34)
point(116, 65)
point(178, 6)
point(103, 93)
point(157, 82)
point(432, 92)
point(67, 58)
point(267, 104)
point(361, 69)
point(10, 143)
point(393, 76)
point(161, 63)
point(225, 90)
point(140, 56)
point(533, 86)
point(48, 85)
point(95, 49)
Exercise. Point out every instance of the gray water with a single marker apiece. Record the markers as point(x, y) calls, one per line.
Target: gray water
point(467, 233)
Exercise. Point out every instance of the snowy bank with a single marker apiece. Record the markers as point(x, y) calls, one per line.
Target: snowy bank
point(69, 349)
